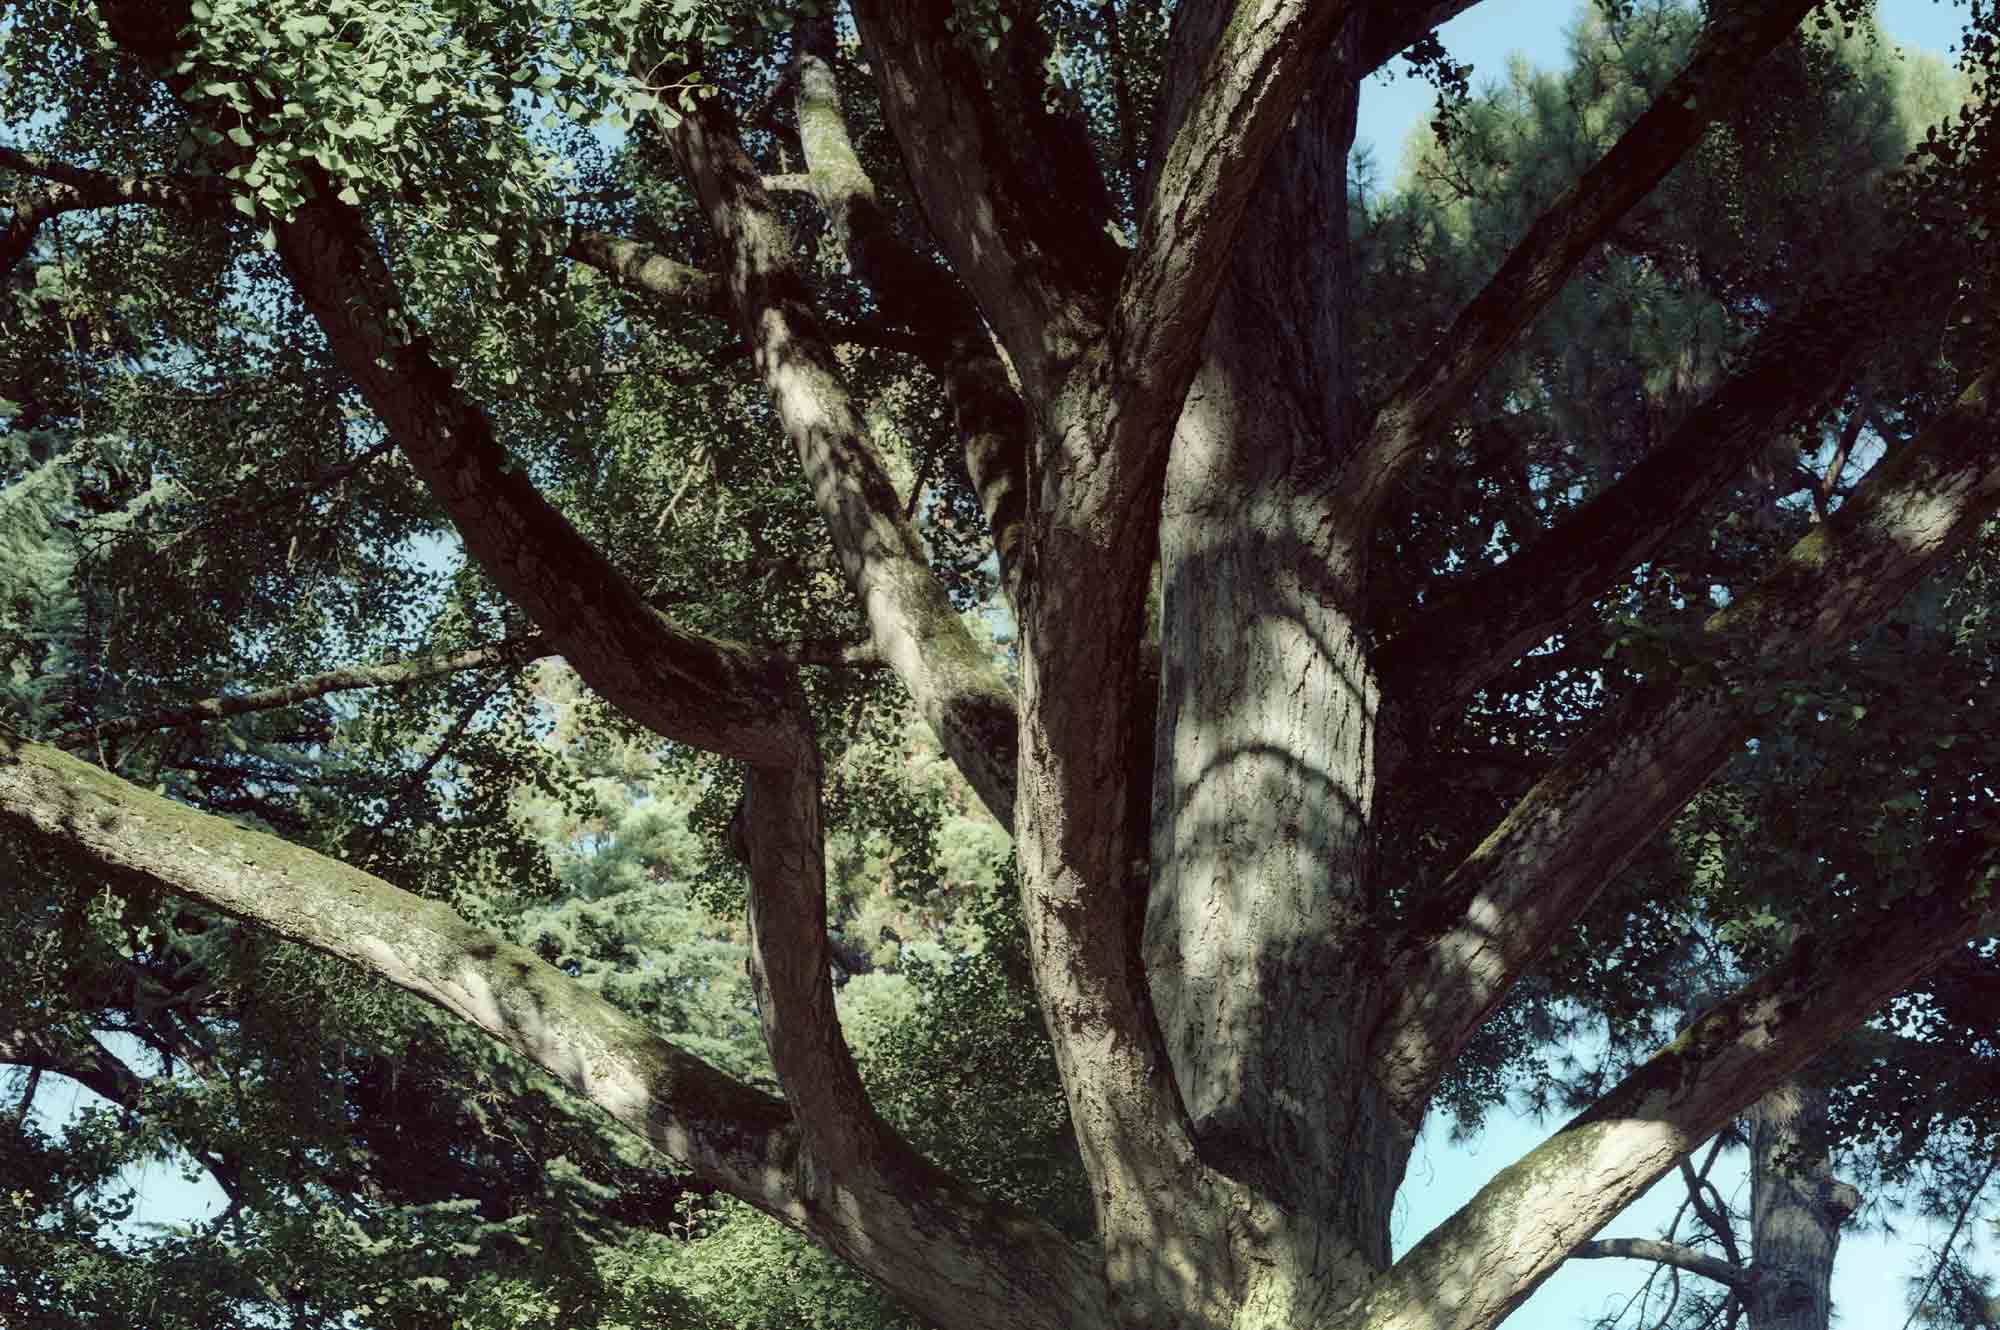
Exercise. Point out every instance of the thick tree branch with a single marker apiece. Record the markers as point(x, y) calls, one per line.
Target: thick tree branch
point(1730, 46)
point(644, 269)
point(992, 421)
point(83, 1060)
point(925, 1237)
point(510, 651)
point(1473, 1270)
point(1537, 871)
point(1254, 73)
point(1475, 629)
point(955, 684)
point(1391, 29)
point(1666, 1253)
point(93, 1066)
point(718, 695)
point(791, 972)
point(1010, 191)
point(714, 694)
point(75, 188)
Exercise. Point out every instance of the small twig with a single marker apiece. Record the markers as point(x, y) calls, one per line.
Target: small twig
point(1823, 494)
point(1958, 1226)
point(667, 513)
point(507, 651)
point(417, 778)
point(834, 653)
point(333, 475)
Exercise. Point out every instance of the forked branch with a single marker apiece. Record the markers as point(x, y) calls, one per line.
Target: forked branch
point(1678, 1255)
point(955, 684)
point(1473, 631)
point(990, 418)
point(1005, 1268)
point(1035, 251)
point(75, 188)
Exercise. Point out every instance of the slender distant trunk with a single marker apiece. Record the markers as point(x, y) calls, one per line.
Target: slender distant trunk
point(1796, 1210)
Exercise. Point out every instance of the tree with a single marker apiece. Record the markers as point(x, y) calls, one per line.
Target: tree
point(1682, 286)
point(1127, 265)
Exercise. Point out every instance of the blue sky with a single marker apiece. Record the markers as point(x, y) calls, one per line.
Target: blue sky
point(1491, 32)
point(1869, 1289)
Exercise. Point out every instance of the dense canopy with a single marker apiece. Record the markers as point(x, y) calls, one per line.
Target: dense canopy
point(945, 624)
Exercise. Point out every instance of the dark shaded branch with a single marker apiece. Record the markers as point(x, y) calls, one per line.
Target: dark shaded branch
point(992, 421)
point(956, 685)
point(1391, 29)
point(1707, 1203)
point(1544, 864)
point(87, 1062)
point(510, 651)
point(644, 269)
point(75, 188)
point(1011, 1266)
point(406, 790)
point(779, 827)
point(1717, 71)
point(333, 475)
point(1666, 1253)
point(1824, 488)
point(1254, 71)
point(719, 695)
point(1503, 1243)
point(1477, 627)
point(1010, 190)
point(83, 1060)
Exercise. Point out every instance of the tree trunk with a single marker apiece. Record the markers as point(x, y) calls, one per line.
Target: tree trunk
point(1796, 1210)
point(1264, 759)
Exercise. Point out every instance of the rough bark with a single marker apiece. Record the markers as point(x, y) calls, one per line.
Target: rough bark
point(953, 681)
point(1472, 1270)
point(642, 268)
point(990, 418)
point(1035, 254)
point(1263, 761)
point(723, 696)
point(1796, 1210)
point(1246, 1046)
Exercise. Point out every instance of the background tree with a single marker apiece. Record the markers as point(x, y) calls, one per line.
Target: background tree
point(1684, 286)
point(1246, 1046)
